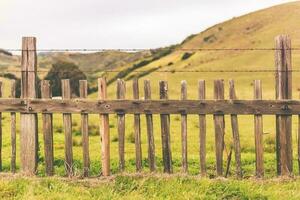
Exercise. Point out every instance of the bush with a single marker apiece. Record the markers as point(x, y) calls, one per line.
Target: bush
point(186, 55)
point(64, 70)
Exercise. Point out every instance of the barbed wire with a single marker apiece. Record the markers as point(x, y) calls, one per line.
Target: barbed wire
point(157, 71)
point(149, 49)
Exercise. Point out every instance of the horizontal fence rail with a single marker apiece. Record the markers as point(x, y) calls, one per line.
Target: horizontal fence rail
point(241, 107)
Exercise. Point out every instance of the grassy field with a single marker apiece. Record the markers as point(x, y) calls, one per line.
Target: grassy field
point(251, 31)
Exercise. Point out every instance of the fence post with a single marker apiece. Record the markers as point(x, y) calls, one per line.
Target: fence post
point(137, 129)
point(47, 118)
point(13, 130)
point(104, 130)
point(67, 121)
point(28, 129)
point(83, 91)
point(165, 130)
point(283, 77)
point(219, 122)
point(121, 90)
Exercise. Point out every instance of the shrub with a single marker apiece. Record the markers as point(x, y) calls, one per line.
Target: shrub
point(64, 70)
point(186, 55)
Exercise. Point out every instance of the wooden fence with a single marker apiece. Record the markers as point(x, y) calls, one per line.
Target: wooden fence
point(28, 106)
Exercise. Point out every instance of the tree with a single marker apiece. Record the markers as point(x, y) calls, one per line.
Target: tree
point(65, 70)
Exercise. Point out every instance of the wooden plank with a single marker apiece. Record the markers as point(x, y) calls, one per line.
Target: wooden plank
point(13, 130)
point(83, 92)
point(258, 131)
point(184, 130)
point(165, 130)
point(202, 130)
point(28, 128)
point(1, 136)
point(283, 77)
point(200, 107)
point(48, 129)
point(67, 121)
point(137, 129)
point(150, 135)
point(235, 133)
point(121, 89)
point(104, 129)
point(219, 123)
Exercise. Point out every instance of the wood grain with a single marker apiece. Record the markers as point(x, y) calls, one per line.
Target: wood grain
point(121, 90)
point(258, 133)
point(165, 130)
point(47, 118)
point(235, 132)
point(184, 154)
point(137, 129)
point(28, 128)
point(219, 123)
point(104, 129)
point(283, 77)
point(83, 92)
point(13, 130)
point(67, 121)
point(202, 129)
point(149, 124)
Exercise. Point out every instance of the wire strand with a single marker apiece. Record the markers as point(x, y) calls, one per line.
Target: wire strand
point(144, 49)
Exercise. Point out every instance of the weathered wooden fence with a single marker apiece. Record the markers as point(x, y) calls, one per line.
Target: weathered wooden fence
point(28, 106)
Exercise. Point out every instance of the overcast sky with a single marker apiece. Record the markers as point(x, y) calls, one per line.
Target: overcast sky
point(114, 23)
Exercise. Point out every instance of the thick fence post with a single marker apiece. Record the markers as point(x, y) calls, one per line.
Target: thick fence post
point(48, 129)
point(283, 77)
point(28, 129)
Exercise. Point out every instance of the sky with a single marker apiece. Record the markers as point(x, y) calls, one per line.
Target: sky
point(117, 24)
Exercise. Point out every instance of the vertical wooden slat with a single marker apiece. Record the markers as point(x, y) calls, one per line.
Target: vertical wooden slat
point(150, 135)
point(184, 130)
point(83, 91)
point(104, 129)
point(165, 130)
point(137, 129)
point(13, 130)
point(28, 128)
point(202, 130)
point(235, 132)
point(219, 127)
point(121, 89)
point(1, 86)
point(283, 78)
point(67, 119)
point(47, 129)
point(258, 130)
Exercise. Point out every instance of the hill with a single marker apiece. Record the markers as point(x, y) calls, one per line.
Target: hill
point(254, 30)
